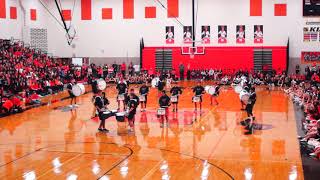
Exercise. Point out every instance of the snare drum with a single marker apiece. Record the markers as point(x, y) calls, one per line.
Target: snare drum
point(161, 111)
point(106, 114)
point(206, 88)
point(196, 99)
point(212, 90)
point(78, 89)
point(120, 117)
point(174, 99)
point(121, 97)
point(245, 98)
point(101, 84)
point(238, 89)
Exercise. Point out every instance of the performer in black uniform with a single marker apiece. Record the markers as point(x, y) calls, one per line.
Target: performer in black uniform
point(100, 103)
point(143, 91)
point(95, 91)
point(249, 109)
point(198, 91)
point(122, 88)
point(175, 92)
point(160, 85)
point(215, 95)
point(132, 109)
point(164, 102)
point(71, 95)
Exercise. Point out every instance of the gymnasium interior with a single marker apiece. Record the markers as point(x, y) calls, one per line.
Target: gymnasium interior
point(160, 89)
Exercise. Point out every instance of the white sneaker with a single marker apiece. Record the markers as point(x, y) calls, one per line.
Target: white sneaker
point(312, 154)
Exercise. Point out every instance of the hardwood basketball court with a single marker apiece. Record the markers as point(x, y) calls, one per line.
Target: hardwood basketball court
point(52, 142)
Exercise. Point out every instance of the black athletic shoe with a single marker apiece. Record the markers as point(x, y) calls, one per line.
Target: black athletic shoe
point(105, 130)
point(100, 129)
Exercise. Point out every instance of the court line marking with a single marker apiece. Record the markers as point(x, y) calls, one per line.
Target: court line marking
point(151, 171)
point(66, 162)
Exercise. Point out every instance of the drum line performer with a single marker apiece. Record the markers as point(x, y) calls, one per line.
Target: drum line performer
point(164, 102)
point(215, 95)
point(249, 108)
point(143, 91)
point(122, 88)
point(198, 91)
point(132, 105)
point(175, 91)
point(71, 95)
point(101, 103)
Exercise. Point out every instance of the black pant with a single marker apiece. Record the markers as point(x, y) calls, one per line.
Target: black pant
point(181, 75)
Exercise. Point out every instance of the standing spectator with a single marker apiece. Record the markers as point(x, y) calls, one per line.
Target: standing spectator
point(123, 69)
point(181, 68)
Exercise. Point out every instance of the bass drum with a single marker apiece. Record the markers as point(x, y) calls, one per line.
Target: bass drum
point(78, 89)
point(154, 82)
point(212, 90)
point(238, 88)
point(245, 98)
point(206, 88)
point(102, 85)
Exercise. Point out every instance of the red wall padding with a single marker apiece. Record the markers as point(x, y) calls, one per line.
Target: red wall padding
point(150, 12)
point(128, 9)
point(33, 14)
point(173, 8)
point(225, 58)
point(106, 13)
point(255, 7)
point(2, 8)
point(13, 13)
point(280, 9)
point(86, 9)
point(66, 14)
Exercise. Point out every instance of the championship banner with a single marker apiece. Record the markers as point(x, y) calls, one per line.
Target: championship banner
point(241, 34)
point(169, 34)
point(205, 34)
point(222, 34)
point(311, 34)
point(310, 57)
point(187, 34)
point(258, 34)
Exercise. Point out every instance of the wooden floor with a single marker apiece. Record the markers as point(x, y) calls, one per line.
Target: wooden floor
point(51, 142)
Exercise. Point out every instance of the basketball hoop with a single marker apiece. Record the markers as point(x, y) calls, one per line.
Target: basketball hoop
point(189, 49)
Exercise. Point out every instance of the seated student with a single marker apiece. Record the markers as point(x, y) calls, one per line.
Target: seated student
point(17, 104)
point(33, 99)
point(313, 133)
point(7, 106)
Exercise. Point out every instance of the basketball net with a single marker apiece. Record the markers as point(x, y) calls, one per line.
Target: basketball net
point(192, 55)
